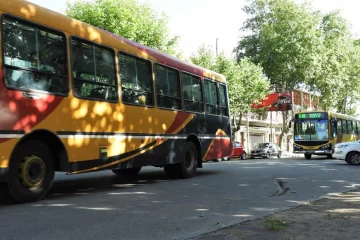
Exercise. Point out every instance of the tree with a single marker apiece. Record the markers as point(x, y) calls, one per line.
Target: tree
point(204, 57)
point(126, 18)
point(337, 81)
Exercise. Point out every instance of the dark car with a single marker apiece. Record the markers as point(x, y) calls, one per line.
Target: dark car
point(265, 150)
point(237, 152)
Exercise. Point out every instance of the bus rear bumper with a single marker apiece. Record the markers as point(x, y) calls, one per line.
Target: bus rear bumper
point(315, 152)
point(3, 174)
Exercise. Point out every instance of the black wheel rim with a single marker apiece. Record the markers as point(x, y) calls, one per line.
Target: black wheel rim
point(355, 159)
point(189, 159)
point(32, 171)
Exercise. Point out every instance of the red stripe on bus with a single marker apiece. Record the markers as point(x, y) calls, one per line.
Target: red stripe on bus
point(180, 118)
point(219, 148)
point(21, 113)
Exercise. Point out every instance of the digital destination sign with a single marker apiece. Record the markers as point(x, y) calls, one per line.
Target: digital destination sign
point(311, 115)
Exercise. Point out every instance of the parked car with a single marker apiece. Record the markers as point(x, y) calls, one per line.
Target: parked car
point(265, 150)
point(348, 151)
point(237, 152)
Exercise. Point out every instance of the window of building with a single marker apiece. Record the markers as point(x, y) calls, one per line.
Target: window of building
point(93, 69)
point(136, 80)
point(192, 90)
point(223, 100)
point(34, 57)
point(211, 97)
point(167, 87)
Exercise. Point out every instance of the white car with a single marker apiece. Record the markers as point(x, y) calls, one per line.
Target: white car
point(348, 151)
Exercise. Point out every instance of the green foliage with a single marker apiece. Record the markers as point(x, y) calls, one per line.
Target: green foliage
point(126, 18)
point(274, 224)
point(283, 40)
point(337, 77)
point(298, 46)
point(204, 57)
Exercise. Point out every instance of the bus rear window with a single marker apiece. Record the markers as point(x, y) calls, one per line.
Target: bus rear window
point(35, 57)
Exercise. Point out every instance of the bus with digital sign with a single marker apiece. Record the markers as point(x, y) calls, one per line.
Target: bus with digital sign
point(316, 133)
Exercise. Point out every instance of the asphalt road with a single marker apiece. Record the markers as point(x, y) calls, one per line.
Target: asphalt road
point(103, 206)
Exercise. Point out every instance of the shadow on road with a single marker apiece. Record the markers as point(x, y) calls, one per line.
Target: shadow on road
point(78, 185)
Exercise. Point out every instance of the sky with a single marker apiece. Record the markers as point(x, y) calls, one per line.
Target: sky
point(200, 22)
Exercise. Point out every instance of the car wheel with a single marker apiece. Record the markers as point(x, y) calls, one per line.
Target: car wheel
point(353, 158)
point(279, 155)
point(243, 156)
point(268, 155)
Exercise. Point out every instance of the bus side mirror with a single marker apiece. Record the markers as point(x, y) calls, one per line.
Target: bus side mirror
point(289, 124)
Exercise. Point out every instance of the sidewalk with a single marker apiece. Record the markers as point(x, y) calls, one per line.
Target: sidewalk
point(336, 217)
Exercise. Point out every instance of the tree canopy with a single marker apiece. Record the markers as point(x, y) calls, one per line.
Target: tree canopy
point(127, 18)
point(298, 46)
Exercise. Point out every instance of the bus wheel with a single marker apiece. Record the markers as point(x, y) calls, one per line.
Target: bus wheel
point(129, 172)
point(353, 158)
point(31, 171)
point(307, 156)
point(187, 167)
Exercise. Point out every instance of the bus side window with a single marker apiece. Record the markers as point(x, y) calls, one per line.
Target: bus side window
point(34, 57)
point(339, 126)
point(350, 127)
point(223, 100)
point(192, 88)
point(167, 87)
point(136, 80)
point(93, 68)
point(211, 97)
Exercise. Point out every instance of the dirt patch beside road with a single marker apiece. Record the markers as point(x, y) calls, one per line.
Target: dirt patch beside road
point(336, 217)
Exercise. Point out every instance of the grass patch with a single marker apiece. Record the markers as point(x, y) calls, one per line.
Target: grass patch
point(273, 224)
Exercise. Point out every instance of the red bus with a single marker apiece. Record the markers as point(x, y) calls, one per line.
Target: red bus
point(78, 99)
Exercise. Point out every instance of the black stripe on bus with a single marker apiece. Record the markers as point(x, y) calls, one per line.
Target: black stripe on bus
point(95, 163)
point(65, 133)
point(12, 132)
point(3, 174)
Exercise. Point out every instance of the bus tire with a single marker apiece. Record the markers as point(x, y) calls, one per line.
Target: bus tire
point(127, 172)
point(187, 167)
point(31, 171)
point(307, 156)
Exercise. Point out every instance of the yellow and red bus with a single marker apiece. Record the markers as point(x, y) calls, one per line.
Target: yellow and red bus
point(75, 98)
point(317, 132)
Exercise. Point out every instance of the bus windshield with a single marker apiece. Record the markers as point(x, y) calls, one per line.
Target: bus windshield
point(311, 130)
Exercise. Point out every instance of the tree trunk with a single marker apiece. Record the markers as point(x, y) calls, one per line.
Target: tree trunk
point(235, 127)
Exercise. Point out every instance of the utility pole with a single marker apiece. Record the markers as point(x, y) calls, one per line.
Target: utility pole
point(216, 47)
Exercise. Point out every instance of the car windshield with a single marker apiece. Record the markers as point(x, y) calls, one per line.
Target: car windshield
point(311, 130)
point(261, 145)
